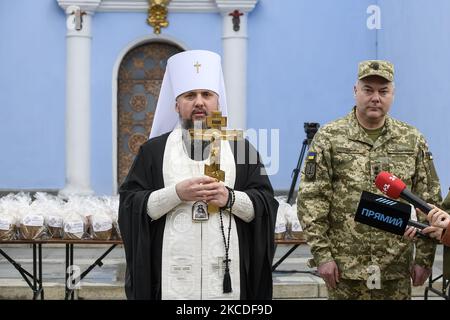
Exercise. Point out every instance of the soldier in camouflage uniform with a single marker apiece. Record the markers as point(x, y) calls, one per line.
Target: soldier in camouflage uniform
point(357, 261)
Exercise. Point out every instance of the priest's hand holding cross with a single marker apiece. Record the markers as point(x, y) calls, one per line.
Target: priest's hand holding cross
point(215, 134)
point(204, 188)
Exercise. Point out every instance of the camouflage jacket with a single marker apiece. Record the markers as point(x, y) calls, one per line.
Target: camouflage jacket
point(341, 163)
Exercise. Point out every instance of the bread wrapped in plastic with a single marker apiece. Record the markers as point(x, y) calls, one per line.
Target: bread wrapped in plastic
point(101, 226)
point(8, 218)
point(74, 227)
point(76, 224)
point(7, 226)
point(50, 207)
point(293, 226)
point(31, 227)
point(27, 224)
point(54, 223)
point(112, 209)
point(280, 224)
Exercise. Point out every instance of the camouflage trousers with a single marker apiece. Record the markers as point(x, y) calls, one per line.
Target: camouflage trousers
point(346, 289)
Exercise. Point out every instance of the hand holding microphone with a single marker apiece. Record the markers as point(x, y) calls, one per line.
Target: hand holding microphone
point(394, 187)
point(439, 221)
point(438, 218)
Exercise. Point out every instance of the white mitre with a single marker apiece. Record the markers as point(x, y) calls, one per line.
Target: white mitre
point(186, 71)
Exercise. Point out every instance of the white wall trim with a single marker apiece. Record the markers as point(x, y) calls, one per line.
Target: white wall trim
point(231, 5)
point(115, 73)
point(178, 5)
point(85, 5)
point(193, 6)
point(174, 6)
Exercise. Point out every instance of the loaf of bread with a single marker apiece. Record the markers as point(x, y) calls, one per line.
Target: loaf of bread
point(31, 227)
point(7, 228)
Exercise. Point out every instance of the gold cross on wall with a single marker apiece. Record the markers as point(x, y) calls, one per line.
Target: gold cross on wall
point(215, 134)
point(197, 65)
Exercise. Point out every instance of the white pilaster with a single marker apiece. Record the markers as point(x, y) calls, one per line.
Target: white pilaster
point(78, 84)
point(235, 59)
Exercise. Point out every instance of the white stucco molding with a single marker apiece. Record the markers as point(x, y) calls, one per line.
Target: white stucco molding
point(231, 5)
point(90, 6)
point(187, 6)
point(174, 6)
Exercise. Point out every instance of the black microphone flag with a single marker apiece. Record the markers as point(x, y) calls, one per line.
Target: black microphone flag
point(384, 213)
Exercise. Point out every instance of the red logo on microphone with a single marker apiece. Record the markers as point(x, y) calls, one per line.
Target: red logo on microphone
point(389, 184)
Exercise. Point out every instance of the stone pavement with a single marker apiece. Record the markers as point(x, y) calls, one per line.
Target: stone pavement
point(292, 279)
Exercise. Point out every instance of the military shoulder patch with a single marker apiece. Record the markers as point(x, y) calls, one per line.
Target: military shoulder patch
point(310, 166)
point(311, 156)
point(431, 168)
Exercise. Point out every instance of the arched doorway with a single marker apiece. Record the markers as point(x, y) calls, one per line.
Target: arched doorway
point(139, 81)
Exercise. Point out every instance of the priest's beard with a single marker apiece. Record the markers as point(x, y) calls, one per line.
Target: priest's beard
point(197, 150)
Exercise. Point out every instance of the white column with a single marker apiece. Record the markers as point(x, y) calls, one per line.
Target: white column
point(235, 71)
point(235, 59)
point(78, 60)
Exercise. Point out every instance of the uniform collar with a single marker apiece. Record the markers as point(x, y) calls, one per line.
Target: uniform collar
point(357, 133)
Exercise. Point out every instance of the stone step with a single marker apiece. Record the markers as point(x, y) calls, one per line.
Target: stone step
point(18, 290)
point(307, 288)
point(297, 287)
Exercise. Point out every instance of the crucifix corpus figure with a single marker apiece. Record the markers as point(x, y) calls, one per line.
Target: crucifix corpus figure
point(214, 135)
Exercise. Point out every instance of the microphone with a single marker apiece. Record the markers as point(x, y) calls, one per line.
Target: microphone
point(394, 187)
point(386, 214)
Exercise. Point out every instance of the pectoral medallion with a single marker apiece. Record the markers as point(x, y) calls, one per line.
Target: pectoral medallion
point(200, 211)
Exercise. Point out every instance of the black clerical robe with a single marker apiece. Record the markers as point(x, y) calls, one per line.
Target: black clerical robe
point(143, 237)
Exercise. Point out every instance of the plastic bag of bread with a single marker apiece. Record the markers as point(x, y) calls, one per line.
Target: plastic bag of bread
point(54, 223)
point(101, 226)
point(75, 223)
point(50, 207)
point(31, 226)
point(18, 205)
point(74, 227)
point(7, 226)
point(294, 228)
point(112, 210)
point(8, 217)
point(280, 224)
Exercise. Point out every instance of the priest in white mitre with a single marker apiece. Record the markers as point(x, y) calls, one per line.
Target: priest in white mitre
point(175, 248)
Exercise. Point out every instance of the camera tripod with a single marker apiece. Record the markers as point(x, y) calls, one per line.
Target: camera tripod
point(310, 130)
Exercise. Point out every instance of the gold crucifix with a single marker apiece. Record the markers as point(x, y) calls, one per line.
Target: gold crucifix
point(215, 134)
point(197, 65)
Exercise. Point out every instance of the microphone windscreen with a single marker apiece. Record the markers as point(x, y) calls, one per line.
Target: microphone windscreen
point(389, 184)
